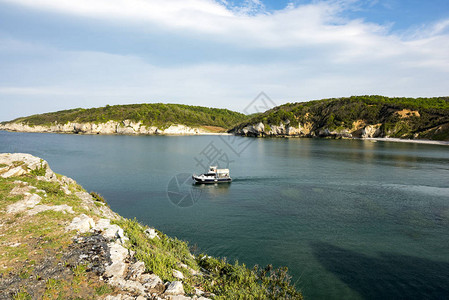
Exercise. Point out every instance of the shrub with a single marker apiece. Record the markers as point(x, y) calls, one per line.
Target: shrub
point(98, 197)
point(51, 188)
point(39, 171)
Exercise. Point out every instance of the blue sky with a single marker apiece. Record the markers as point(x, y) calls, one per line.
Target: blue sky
point(87, 53)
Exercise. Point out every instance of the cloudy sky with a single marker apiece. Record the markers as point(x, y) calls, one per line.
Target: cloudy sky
point(60, 54)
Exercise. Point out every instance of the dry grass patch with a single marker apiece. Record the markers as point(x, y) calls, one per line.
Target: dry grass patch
point(214, 129)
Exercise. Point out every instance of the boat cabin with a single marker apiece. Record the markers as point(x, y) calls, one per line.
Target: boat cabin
point(213, 175)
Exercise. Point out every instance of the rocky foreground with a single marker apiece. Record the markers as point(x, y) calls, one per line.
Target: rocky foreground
point(58, 241)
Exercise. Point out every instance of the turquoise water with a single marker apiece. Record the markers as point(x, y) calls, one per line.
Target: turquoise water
point(351, 219)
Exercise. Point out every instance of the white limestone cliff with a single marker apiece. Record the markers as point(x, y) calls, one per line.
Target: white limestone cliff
point(126, 127)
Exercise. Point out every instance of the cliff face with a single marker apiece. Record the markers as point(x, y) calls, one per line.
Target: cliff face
point(311, 130)
point(111, 127)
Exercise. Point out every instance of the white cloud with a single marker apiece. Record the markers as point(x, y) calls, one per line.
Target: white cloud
point(313, 25)
point(322, 55)
point(95, 78)
point(293, 26)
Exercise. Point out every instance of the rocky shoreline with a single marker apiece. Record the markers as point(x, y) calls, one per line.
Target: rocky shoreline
point(126, 127)
point(359, 130)
point(364, 132)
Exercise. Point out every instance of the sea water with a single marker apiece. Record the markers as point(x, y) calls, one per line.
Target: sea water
point(351, 219)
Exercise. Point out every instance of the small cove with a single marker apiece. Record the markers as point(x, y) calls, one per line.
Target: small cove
point(351, 219)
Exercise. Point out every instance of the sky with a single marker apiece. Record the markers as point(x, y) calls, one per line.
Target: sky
point(65, 54)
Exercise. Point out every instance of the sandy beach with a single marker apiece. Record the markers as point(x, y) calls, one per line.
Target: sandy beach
point(444, 143)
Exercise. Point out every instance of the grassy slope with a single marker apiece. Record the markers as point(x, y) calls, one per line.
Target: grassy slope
point(342, 112)
point(27, 242)
point(157, 114)
point(224, 279)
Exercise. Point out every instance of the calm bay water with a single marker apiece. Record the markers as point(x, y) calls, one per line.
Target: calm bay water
point(351, 219)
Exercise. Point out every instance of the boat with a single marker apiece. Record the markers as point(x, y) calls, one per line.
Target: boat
point(214, 175)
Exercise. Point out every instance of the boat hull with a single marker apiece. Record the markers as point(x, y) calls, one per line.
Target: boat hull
point(211, 180)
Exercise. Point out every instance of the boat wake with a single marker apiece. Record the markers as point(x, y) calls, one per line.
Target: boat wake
point(259, 179)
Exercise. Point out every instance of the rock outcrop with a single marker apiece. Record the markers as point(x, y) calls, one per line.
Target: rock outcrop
point(309, 130)
point(98, 243)
point(285, 129)
point(126, 127)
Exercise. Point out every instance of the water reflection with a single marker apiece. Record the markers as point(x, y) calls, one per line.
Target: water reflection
point(212, 190)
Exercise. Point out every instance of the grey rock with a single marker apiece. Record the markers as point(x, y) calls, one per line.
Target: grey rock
point(118, 255)
point(30, 201)
point(371, 131)
point(175, 288)
point(198, 292)
point(40, 208)
point(178, 297)
point(20, 188)
point(64, 180)
point(136, 269)
point(66, 190)
point(151, 233)
point(30, 163)
point(82, 224)
point(110, 231)
point(150, 281)
point(127, 285)
point(178, 274)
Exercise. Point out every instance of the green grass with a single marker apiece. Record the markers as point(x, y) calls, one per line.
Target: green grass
point(17, 163)
point(225, 280)
point(22, 295)
point(103, 289)
point(6, 186)
point(39, 171)
point(236, 281)
point(79, 273)
point(161, 255)
point(51, 188)
point(55, 289)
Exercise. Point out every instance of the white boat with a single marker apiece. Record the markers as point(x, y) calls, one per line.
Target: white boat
point(214, 175)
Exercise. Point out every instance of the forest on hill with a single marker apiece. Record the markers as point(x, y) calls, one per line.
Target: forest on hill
point(395, 117)
point(157, 114)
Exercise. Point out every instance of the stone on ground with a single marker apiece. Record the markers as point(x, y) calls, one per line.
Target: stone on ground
point(82, 224)
point(175, 288)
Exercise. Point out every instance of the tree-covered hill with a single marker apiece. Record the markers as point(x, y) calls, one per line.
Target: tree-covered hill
point(426, 118)
point(156, 114)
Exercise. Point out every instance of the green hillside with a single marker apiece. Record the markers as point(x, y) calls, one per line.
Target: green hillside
point(426, 118)
point(156, 114)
